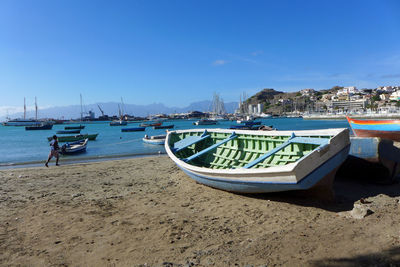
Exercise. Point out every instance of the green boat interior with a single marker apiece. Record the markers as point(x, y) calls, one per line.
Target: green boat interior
point(218, 150)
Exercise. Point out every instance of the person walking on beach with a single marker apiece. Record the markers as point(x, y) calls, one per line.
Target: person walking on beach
point(53, 151)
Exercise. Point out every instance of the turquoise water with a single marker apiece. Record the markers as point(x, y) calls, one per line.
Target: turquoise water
point(20, 146)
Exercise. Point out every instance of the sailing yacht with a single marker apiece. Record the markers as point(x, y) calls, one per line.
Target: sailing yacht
point(23, 121)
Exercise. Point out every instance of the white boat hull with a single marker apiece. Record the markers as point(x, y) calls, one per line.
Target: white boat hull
point(300, 175)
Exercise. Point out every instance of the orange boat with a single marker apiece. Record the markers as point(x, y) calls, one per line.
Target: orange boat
point(387, 129)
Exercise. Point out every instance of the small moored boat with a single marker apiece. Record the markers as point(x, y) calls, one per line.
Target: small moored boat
point(118, 123)
point(74, 147)
point(164, 127)
point(155, 139)
point(387, 129)
point(80, 127)
point(150, 124)
point(205, 122)
point(72, 138)
point(133, 129)
point(43, 126)
point(259, 161)
point(68, 132)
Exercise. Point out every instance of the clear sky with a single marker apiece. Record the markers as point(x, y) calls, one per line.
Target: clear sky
point(178, 52)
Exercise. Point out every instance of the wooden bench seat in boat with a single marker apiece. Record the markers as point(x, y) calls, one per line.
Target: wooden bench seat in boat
point(210, 148)
point(188, 141)
point(293, 139)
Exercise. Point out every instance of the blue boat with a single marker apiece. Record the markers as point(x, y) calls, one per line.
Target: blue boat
point(250, 123)
point(133, 129)
point(74, 147)
point(163, 127)
point(68, 131)
point(43, 126)
point(259, 161)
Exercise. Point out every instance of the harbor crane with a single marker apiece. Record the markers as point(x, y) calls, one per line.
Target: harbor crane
point(102, 112)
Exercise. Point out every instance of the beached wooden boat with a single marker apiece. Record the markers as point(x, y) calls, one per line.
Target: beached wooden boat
point(388, 129)
point(155, 139)
point(72, 138)
point(259, 161)
point(164, 127)
point(205, 122)
point(68, 132)
point(80, 127)
point(43, 126)
point(74, 147)
point(133, 129)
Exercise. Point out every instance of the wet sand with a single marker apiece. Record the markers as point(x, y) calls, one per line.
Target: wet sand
point(147, 212)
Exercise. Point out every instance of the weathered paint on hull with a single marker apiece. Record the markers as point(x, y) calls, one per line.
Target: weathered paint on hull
point(267, 187)
point(392, 135)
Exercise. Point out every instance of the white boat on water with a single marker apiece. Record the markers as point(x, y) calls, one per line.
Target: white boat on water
point(259, 161)
point(118, 123)
point(206, 122)
point(155, 139)
point(74, 147)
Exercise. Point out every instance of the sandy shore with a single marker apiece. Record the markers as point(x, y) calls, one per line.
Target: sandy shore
point(147, 212)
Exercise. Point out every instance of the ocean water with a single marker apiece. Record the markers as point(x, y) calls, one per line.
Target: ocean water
point(21, 146)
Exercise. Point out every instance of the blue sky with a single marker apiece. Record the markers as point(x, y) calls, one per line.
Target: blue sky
point(178, 52)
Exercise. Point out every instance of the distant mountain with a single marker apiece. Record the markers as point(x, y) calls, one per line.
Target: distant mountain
point(111, 108)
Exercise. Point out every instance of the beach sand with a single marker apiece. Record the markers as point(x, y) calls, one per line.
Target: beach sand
point(147, 212)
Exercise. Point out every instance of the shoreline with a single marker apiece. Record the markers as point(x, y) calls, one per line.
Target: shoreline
point(70, 161)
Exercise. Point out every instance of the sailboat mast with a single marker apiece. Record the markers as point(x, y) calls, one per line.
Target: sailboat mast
point(122, 107)
point(24, 109)
point(36, 109)
point(81, 106)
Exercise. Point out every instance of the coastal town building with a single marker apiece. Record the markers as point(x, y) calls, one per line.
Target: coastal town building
point(395, 96)
point(348, 105)
point(307, 92)
point(256, 109)
point(350, 90)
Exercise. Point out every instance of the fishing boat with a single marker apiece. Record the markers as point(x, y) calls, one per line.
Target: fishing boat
point(155, 139)
point(118, 123)
point(150, 124)
point(80, 127)
point(68, 132)
point(133, 129)
point(387, 129)
point(164, 127)
point(205, 122)
point(72, 138)
point(42, 126)
point(74, 147)
point(245, 127)
point(258, 161)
